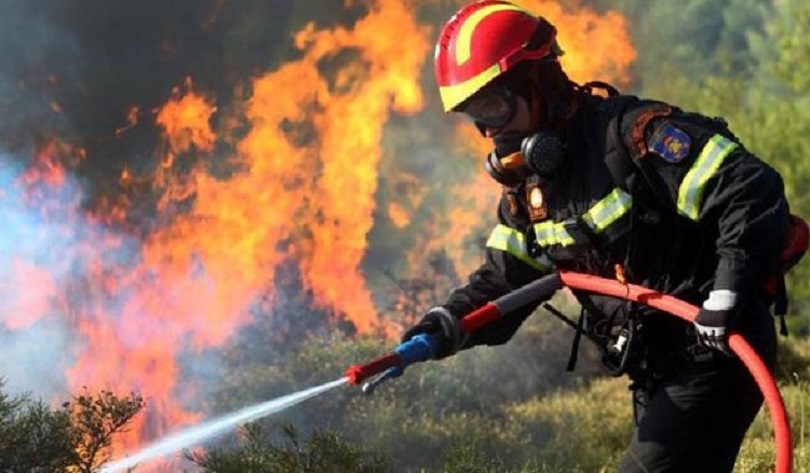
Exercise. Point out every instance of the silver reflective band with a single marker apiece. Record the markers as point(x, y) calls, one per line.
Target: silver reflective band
point(690, 193)
point(513, 242)
point(598, 218)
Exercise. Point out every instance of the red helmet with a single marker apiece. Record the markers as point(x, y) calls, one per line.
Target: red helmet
point(482, 41)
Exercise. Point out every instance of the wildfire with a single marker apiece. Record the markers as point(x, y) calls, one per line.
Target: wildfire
point(314, 150)
point(301, 187)
point(597, 46)
point(185, 120)
point(305, 192)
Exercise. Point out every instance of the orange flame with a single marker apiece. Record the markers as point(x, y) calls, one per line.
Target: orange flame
point(303, 189)
point(315, 188)
point(597, 46)
point(185, 120)
point(305, 192)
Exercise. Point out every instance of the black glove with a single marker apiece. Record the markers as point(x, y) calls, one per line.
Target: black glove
point(439, 320)
point(713, 320)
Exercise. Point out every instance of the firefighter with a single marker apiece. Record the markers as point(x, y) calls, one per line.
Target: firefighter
point(618, 186)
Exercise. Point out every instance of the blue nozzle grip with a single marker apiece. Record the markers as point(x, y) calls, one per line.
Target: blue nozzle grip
point(420, 347)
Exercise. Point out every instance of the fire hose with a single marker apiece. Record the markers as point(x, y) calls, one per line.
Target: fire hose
point(424, 346)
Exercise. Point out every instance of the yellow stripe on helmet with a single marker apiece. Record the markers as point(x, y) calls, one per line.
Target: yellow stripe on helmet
point(452, 95)
point(464, 39)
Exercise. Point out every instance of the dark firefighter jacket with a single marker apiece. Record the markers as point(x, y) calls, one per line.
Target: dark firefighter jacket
point(701, 213)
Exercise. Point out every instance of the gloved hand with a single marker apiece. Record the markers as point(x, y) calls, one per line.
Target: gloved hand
point(439, 320)
point(713, 320)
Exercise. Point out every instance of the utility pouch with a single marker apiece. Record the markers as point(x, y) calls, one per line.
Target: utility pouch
point(796, 245)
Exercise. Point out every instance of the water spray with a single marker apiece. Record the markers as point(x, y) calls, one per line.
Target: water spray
point(194, 435)
point(424, 347)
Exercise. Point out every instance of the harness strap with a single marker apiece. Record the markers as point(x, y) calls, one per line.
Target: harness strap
point(579, 328)
point(618, 162)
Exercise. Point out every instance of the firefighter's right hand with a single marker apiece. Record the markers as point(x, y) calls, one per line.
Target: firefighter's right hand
point(714, 318)
point(440, 322)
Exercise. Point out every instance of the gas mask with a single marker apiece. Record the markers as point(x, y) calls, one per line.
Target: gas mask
point(517, 155)
point(544, 153)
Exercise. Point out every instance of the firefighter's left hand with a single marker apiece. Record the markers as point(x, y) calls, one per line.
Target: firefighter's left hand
point(713, 320)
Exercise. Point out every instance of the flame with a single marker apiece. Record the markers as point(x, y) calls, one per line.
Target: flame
point(299, 185)
point(23, 304)
point(305, 192)
point(31, 293)
point(185, 120)
point(597, 46)
point(318, 196)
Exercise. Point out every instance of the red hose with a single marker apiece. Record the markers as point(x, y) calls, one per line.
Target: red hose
point(738, 344)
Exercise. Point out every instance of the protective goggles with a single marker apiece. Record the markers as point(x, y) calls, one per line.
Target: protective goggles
point(491, 107)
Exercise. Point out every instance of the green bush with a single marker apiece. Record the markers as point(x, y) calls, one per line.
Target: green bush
point(73, 438)
point(259, 452)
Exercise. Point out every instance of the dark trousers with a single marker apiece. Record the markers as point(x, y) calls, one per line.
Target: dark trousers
point(696, 420)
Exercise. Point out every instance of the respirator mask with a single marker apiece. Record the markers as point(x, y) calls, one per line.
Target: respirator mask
point(517, 154)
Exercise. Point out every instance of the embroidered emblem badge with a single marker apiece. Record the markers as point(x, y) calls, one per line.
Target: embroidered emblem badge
point(671, 143)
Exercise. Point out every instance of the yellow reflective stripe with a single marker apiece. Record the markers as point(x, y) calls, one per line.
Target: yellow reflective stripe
point(599, 217)
point(550, 233)
point(690, 193)
point(452, 95)
point(464, 39)
point(513, 242)
point(608, 210)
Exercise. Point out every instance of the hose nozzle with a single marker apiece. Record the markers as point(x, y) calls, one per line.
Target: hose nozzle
point(369, 387)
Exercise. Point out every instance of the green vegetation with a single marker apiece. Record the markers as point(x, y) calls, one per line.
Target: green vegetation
point(322, 451)
point(74, 438)
point(485, 410)
point(511, 408)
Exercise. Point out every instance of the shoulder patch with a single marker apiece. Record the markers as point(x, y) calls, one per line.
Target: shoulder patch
point(635, 127)
point(670, 142)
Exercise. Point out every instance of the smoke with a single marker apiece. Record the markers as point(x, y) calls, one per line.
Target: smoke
point(46, 246)
point(77, 66)
point(136, 232)
point(32, 48)
point(27, 357)
point(171, 166)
